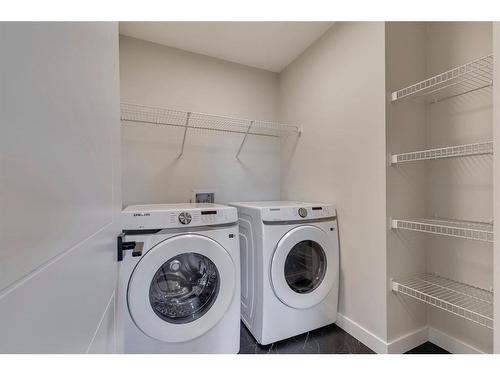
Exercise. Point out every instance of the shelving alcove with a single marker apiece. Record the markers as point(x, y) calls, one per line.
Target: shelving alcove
point(467, 301)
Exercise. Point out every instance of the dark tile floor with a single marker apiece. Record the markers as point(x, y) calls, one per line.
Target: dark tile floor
point(427, 348)
point(327, 340)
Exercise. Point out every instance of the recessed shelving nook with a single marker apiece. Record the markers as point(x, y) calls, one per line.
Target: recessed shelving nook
point(136, 113)
point(470, 302)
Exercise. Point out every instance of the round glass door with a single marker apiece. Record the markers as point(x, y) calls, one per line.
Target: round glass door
point(181, 288)
point(184, 288)
point(305, 267)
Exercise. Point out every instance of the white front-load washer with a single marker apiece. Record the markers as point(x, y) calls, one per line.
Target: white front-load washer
point(179, 279)
point(289, 267)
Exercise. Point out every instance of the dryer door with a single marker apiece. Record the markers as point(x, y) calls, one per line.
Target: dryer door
point(181, 288)
point(304, 267)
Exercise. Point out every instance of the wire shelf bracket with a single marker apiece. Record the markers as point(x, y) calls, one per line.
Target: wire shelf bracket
point(470, 77)
point(184, 136)
point(469, 302)
point(469, 230)
point(142, 114)
point(471, 149)
point(244, 140)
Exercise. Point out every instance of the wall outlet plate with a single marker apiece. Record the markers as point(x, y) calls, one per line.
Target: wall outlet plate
point(203, 196)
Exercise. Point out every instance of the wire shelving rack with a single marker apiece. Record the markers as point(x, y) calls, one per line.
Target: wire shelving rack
point(482, 148)
point(469, 230)
point(472, 76)
point(469, 302)
point(201, 121)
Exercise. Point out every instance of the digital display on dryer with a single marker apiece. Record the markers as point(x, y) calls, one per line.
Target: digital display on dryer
point(211, 212)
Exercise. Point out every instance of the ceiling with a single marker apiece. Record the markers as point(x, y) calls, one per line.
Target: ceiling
point(266, 45)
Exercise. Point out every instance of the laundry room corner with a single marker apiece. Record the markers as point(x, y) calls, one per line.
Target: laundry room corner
point(334, 89)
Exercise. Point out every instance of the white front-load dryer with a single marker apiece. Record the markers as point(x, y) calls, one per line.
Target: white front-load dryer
point(289, 267)
point(179, 279)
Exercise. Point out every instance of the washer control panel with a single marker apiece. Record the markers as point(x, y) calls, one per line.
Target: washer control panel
point(165, 216)
point(303, 212)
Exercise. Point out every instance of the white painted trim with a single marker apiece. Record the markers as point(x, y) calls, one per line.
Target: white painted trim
point(406, 342)
point(108, 305)
point(42, 267)
point(409, 341)
point(450, 343)
point(376, 344)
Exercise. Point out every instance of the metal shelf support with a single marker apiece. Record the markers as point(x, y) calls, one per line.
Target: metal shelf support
point(184, 136)
point(244, 140)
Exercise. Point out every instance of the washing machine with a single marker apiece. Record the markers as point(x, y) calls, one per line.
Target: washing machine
point(289, 267)
point(179, 279)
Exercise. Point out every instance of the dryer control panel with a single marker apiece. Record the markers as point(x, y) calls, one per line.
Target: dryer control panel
point(303, 212)
point(167, 216)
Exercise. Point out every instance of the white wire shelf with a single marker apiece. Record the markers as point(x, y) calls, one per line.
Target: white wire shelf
point(201, 121)
point(469, 302)
point(470, 77)
point(470, 230)
point(483, 148)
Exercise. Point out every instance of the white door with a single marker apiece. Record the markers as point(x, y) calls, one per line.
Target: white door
point(181, 288)
point(59, 186)
point(304, 267)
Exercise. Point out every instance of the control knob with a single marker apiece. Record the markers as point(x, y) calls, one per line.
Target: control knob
point(184, 218)
point(302, 212)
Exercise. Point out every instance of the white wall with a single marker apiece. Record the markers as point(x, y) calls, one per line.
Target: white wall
point(335, 89)
point(157, 75)
point(59, 186)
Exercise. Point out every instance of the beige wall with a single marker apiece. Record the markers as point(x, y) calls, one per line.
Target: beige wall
point(156, 75)
point(335, 89)
point(496, 127)
point(406, 183)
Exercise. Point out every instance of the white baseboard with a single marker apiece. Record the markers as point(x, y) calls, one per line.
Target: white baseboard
point(360, 333)
point(450, 343)
point(379, 346)
point(409, 341)
point(406, 342)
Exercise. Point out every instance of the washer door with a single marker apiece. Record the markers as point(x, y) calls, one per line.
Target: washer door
point(304, 267)
point(181, 288)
